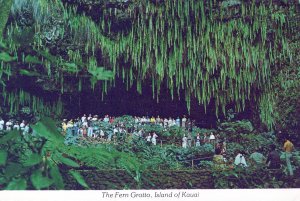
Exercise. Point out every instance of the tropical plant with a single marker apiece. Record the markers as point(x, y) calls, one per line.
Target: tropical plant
point(37, 160)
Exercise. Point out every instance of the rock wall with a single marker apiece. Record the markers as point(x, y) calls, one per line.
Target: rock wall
point(120, 179)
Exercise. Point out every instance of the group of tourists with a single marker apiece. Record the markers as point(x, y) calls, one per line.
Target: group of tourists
point(107, 128)
point(187, 141)
point(11, 124)
point(257, 159)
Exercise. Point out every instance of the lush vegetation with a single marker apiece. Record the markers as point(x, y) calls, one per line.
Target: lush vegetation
point(36, 161)
point(195, 47)
point(42, 159)
point(228, 54)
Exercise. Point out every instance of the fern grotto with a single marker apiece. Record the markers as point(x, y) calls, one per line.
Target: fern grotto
point(194, 75)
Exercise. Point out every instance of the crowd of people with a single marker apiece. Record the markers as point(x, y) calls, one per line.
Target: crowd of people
point(11, 124)
point(89, 126)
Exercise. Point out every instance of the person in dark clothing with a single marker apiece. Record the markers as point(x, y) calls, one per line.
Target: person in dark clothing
point(273, 160)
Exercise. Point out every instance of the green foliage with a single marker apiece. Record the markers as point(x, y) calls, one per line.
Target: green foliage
point(17, 184)
point(79, 178)
point(4, 14)
point(32, 160)
point(57, 177)
point(32, 59)
point(39, 181)
point(28, 73)
point(203, 48)
point(4, 56)
point(66, 161)
point(3, 157)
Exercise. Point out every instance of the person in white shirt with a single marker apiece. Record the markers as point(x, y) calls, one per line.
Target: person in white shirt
point(140, 133)
point(157, 120)
point(89, 117)
point(95, 118)
point(165, 122)
point(8, 125)
point(212, 139)
point(115, 130)
point(173, 122)
point(143, 120)
point(106, 119)
point(1, 124)
point(240, 159)
point(154, 136)
point(184, 141)
point(136, 120)
point(178, 122)
point(170, 122)
point(102, 134)
point(183, 121)
point(16, 126)
point(148, 139)
point(85, 123)
point(22, 125)
point(83, 118)
point(26, 129)
point(198, 140)
point(90, 131)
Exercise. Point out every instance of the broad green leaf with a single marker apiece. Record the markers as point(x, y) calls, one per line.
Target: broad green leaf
point(57, 178)
point(79, 178)
point(13, 169)
point(4, 56)
point(47, 128)
point(39, 181)
point(32, 59)
point(28, 73)
point(3, 157)
point(9, 136)
point(17, 184)
point(32, 160)
point(67, 161)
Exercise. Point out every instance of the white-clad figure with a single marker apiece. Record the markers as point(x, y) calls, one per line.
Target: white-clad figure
point(8, 125)
point(16, 126)
point(183, 121)
point(22, 125)
point(198, 140)
point(26, 129)
point(106, 119)
point(177, 122)
point(115, 130)
point(212, 139)
point(165, 122)
point(1, 124)
point(148, 139)
point(90, 131)
point(170, 122)
point(240, 160)
point(154, 136)
point(184, 142)
point(83, 118)
point(85, 123)
point(102, 134)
